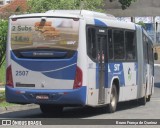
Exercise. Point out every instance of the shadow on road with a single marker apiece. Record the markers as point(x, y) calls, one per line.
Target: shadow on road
point(69, 112)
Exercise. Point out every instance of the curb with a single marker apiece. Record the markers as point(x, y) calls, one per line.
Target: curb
point(158, 65)
point(17, 108)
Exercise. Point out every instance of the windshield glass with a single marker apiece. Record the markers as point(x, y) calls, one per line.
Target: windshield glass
point(38, 33)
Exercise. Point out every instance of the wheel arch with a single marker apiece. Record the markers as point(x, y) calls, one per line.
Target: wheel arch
point(115, 81)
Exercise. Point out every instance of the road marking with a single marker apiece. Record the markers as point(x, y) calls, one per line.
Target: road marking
point(155, 99)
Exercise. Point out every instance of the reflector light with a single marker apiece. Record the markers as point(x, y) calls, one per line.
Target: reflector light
point(78, 79)
point(9, 78)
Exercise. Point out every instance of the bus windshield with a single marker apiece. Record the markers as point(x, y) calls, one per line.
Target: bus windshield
point(44, 32)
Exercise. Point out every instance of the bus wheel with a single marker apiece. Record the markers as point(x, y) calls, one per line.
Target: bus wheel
point(113, 99)
point(148, 98)
point(50, 109)
point(143, 100)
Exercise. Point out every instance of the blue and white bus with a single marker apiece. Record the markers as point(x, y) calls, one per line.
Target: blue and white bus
point(77, 58)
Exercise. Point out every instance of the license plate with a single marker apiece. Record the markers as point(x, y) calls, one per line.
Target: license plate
point(42, 97)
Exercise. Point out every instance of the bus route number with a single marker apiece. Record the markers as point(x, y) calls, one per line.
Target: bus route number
point(22, 73)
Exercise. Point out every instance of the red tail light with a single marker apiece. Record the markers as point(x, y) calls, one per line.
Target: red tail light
point(9, 79)
point(78, 79)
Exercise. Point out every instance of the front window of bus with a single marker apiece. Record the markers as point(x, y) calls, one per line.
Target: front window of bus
point(44, 33)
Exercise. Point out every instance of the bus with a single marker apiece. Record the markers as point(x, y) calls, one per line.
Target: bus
point(64, 58)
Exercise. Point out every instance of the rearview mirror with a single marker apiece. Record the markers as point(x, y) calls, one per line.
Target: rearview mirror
point(155, 56)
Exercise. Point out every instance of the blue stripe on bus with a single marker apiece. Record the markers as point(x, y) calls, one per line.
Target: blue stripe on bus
point(53, 68)
point(116, 69)
point(113, 71)
point(99, 23)
point(56, 97)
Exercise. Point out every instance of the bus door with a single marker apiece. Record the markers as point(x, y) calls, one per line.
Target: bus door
point(102, 70)
point(150, 65)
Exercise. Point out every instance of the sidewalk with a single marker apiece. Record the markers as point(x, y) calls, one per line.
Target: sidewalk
point(158, 65)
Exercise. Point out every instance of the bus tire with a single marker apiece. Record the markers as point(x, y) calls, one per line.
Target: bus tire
point(148, 98)
point(143, 100)
point(50, 109)
point(113, 99)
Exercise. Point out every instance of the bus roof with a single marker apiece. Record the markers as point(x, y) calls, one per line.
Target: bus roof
point(108, 19)
point(69, 14)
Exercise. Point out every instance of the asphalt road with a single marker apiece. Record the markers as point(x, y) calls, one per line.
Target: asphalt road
point(126, 110)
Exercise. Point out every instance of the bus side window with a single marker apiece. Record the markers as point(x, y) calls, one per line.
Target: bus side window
point(91, 44)
point(110, 44)
point(130, 45)
point(119, 48)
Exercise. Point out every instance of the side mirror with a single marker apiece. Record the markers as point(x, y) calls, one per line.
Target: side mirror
point(155, 56)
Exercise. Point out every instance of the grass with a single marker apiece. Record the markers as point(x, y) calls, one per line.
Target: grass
point(3, 103)
point(3, 73)
point(2, 96)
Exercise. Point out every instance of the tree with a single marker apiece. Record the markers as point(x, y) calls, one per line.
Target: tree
point(3, 39)
point(142, 24)
point(45, 5)
point(97, 5)
point(124, 3)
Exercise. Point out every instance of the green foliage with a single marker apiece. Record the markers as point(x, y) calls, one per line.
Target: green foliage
point(45, 5)
point(124, 3)
point(3, 103)
point(96, 5)
point(3, 73)
point(142, 24)
point(3, 39)
point(2, 96)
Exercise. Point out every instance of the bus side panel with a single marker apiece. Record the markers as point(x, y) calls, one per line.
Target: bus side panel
point(126, 73)
point(82, 54)
point(141, 64)
point(92, 83)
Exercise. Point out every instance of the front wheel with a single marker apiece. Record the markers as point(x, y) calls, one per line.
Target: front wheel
point(113, 99)
point(148, 98)
point(143, 100)
point(50, 109)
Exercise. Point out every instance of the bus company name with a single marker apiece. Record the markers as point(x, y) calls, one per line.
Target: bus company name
point(43, 54)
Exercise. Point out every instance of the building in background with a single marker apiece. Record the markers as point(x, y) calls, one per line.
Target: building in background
point(4, 2)
point(144, 11)
point(13, 6)
point(150, 24)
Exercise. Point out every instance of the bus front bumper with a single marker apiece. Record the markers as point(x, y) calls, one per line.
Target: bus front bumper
point(56, 97)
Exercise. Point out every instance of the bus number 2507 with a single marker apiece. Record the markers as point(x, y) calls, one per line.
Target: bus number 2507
point(22, 73)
